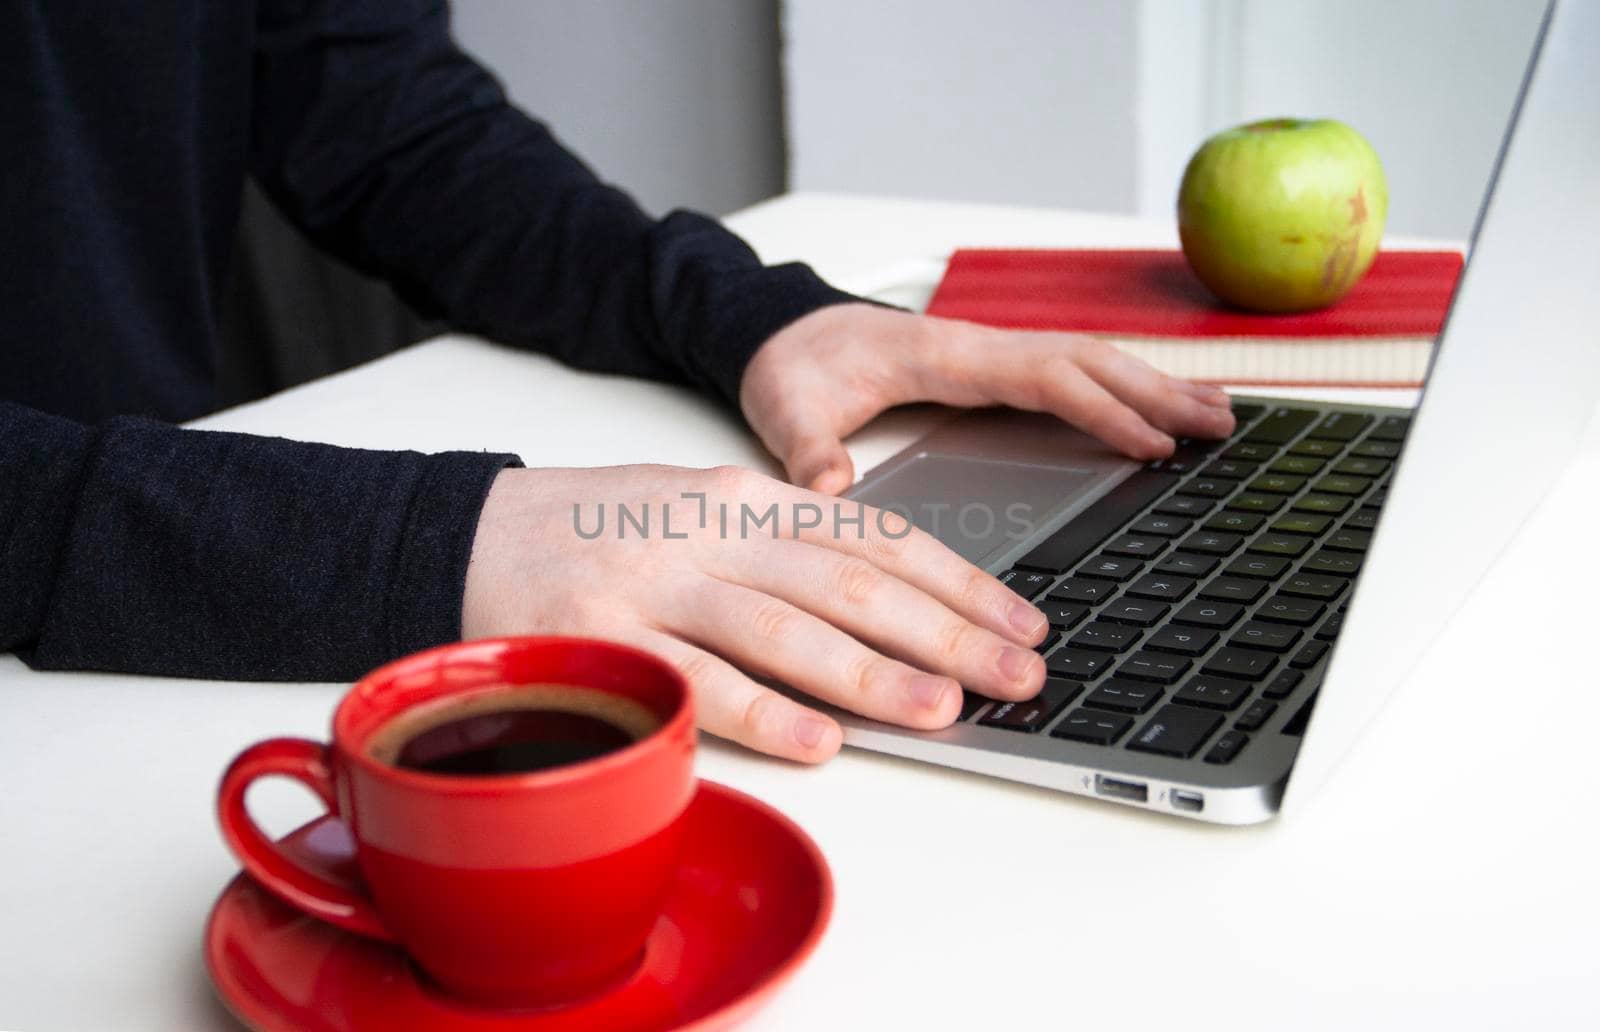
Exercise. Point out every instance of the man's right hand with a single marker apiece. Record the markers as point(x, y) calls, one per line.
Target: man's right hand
point(881, 619)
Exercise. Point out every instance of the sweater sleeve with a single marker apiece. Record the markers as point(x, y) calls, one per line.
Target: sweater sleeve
point(395, 150)
point(139, 547)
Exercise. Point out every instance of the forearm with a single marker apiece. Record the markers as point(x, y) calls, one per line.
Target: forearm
point(140, 547)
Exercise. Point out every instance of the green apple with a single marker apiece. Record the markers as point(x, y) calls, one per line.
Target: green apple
point(1282, 215)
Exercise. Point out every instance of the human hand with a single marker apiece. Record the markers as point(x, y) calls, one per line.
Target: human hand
point(825, 375)
point(886, 622)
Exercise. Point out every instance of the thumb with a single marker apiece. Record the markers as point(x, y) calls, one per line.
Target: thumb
point(812, 454)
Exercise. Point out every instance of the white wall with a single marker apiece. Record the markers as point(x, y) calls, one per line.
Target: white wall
point(676, 102)
point(1098, 104)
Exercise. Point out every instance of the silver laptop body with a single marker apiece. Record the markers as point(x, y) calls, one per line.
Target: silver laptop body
point(1513, 384)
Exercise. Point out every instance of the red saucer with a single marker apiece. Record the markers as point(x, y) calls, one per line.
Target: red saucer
point(752, 898)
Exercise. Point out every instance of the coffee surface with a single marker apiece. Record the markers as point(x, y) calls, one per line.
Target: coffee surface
point(512, 730)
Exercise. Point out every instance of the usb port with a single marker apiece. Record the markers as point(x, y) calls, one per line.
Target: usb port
point(1189, 802)
point(1116, 788)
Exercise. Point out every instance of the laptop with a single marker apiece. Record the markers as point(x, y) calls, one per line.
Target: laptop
point(1225, 623)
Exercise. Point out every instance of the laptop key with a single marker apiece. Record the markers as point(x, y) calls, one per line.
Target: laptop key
point(1137, 546)
point(1206, 487)
point(1233, 589)
point(1322, 503)
point(1335, 483)
point(1358, 466)
point(1032, 714)
point(1162, 526)
point(1185, 505)
point(1309, 654)
point(1136, 611)
point(1280, 426)
point(1253, 502)
point(1208, 614)
point(1187, 564)
point(1391, 428)
point(1282, 685)
point(1302, 523)
point(1312, 585)
point(1107, 637)
point(1297, 465)
point(1083, 534)
point(1110, 567)
point(1345, 540)
point(1030, 584)
point(1244, 412)
point(1331, 627)
point(1210, 542)
point(1272, 637)
point(1371, 449)
point(1229, 469)
point(1362, 519)
point(1154, 666)
point(1227, 747)
point(1244, 664)
point(1097, 727)
point(1080, 589)
point(1318, 449)
point(1251, 452)
point(1267, 567)
point(1175, 731)
point(1052, 638)
point(1212, 693)
point(1277, 483)
point(1062, 615)
point(1290, 545)
point(1124, 696)
point(971, 702)
point(1340, 564)
point(1341, 426)
point(1290, 610)
point(1234, 522)
point(1255, 715)
point(1185, 641)
point(1078, 664)
point(1162, 587)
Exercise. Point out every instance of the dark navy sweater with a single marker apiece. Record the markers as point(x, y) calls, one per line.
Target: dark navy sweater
point(130, 126)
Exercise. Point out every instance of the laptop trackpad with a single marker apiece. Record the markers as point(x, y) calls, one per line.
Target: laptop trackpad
point(976, 506)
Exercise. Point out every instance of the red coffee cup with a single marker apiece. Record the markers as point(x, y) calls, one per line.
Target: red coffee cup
point(524, 889)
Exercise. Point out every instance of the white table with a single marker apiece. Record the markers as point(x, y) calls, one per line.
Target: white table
point(1444, 878)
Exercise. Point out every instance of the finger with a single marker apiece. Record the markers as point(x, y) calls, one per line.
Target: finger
point(1055, 383)
point(879, 608)
point(810, 449)
point(730, 705)
point(772, 638)
point(1164, 401)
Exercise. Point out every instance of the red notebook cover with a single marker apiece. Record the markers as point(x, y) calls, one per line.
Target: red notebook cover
point(1154, 294)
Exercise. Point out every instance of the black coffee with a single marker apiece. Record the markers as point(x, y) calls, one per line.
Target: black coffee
point(513, 731)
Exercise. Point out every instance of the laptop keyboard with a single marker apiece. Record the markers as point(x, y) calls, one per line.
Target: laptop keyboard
point(1202, 593)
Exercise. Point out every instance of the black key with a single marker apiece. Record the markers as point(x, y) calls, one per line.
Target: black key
point(1331, 627)
point(1185, 505)
point(1319, 449)
point(1296, 725)
point(1175, 731)
point(1062, 615)
point(1340, 564)
point(1205, 487)
point(1302, 523)
point(1066, 547)
point(1193, 450)
point(1277, 483)
point(1272, 637)
point(1213, 693)
point(1290, 610)
point(1185, 641)
point(1244, 412)
point(1110, 567)
point(1124, 696)
point(1349, 540)
point(1107, 637)
point(1211, 543)
point(1297, 465)
point(1370, 449)
point(1163, 526)
point(1309, 585)
point(1251, 452)
point(1076, 663)
point(1280, 687)
point(1333, 504)
point(1234, 522)
point(1227, 747)
point(1341, 426)
point(1252, 502)
point(1135, 611)
point(1233, 589)
point(1266, 567)
point(1229, 469)
point(1052, 638)
point(1032, 714)
point(1136, 546)
point(1309, 654)
point(1362, 467)
point(1255, 714)
point(1160, 586)
point(1187, 564)
point(1280, 426)
point(1335, 483)
point(1376, 499)
point(1290, 545)
point(1097, 727)
point(1391, 428)
point(1244, 664)
point(1030, 584)
point(1153, 666)
point(1362, 519)
point(1208, 614)
point(1078, 589)
point(971, 702)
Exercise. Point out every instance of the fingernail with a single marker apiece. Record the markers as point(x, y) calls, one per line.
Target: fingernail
point(1026, 620)
point(1015, 663)
point(808, 731)
point(928, 691)
point(1217, 396)
point(1162, 445)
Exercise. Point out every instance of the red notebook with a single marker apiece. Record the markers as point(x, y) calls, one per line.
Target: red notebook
point(1151, 304)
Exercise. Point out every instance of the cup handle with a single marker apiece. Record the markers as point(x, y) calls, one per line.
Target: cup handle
point(308, 763)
